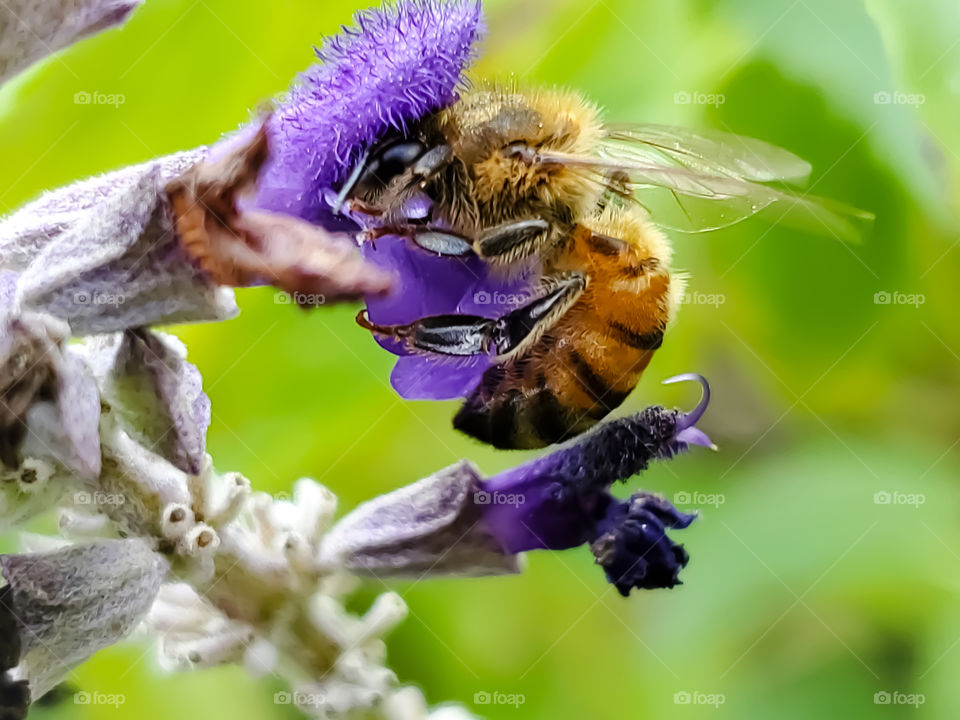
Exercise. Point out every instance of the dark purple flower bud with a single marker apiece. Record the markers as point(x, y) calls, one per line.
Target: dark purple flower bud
point(630, 542)
point(396, 65)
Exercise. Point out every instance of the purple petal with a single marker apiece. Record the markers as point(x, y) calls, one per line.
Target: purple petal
point(425, 285)
point(398, 64)
point(425, 378)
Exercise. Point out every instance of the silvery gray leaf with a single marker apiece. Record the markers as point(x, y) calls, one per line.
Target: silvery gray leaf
point(102, 254)
point(32, 29)
point(68, 604)
point(155, 393)
point(431, 526)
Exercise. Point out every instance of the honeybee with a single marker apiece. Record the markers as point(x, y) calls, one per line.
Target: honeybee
point(519, 177)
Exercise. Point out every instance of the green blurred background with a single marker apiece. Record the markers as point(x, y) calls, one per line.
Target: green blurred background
point(806, 594)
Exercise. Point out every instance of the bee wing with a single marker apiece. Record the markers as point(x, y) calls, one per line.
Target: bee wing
point(714, 153)
point(696, 182)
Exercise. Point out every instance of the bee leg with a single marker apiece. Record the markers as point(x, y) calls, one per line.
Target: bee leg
point(421, 172)
point(459, 335)
point(468, 335)
point(432, 162)
point(513, 240)
point(435, 240)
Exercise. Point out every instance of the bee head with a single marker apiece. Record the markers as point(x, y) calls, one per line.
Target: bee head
point(505, 139)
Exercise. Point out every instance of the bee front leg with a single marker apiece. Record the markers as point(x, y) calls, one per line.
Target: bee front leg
point(470, 335)
point(436, 240)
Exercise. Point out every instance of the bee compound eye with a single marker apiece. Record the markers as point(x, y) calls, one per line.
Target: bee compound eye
point(391, 161)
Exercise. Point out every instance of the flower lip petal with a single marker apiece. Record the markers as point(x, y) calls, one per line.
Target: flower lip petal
point(687, 433)
point(693, 417)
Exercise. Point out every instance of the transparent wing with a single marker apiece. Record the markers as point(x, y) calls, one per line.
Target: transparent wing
point(714, 153)
point(696, 182)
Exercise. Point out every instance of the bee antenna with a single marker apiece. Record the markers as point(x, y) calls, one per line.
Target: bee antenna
point(688, 420)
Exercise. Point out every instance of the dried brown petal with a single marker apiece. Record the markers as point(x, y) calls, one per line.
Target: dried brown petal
point(242, 247)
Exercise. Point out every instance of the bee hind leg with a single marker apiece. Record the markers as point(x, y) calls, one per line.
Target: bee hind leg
point(471, 335)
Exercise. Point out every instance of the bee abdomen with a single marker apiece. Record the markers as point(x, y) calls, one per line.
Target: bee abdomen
point(532, 410)
point(516, 420)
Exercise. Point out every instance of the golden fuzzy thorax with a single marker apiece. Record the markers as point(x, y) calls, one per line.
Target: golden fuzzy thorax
point(485, 121)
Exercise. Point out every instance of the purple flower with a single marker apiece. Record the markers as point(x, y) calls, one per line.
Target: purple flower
point(562, 500)
point(457, 521)
point(396, 65)
point(426, 284)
